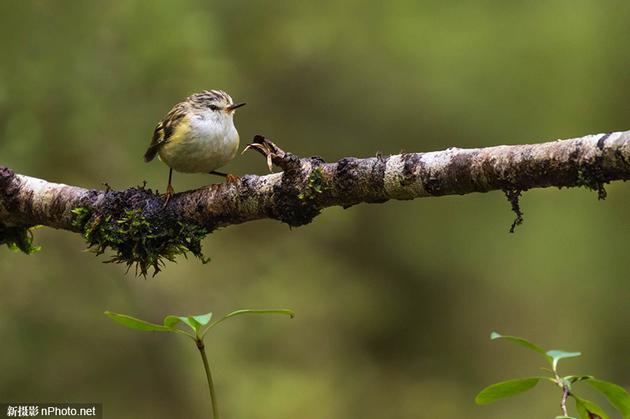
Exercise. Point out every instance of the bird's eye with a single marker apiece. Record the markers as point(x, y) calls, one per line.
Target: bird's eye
point(214, 107)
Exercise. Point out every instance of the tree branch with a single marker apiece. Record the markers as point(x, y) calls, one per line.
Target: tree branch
point(308, 185)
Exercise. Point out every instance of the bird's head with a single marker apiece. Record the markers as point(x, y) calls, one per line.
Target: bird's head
point(215, 101)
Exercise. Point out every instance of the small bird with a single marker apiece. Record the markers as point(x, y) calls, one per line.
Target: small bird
point(196, 136)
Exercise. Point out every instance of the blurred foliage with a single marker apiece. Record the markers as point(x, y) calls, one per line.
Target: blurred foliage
point(394, 300)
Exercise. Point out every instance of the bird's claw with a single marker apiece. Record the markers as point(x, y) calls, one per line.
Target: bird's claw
point(262, 149)
point(168, 195)
point(266, 148)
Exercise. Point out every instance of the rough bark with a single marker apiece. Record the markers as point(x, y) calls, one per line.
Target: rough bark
point(307, 185)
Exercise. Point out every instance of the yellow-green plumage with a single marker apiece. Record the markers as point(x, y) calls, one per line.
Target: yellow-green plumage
point(197, 135)
point(199, 146)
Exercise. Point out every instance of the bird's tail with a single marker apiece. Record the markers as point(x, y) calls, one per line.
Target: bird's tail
point(151, 153)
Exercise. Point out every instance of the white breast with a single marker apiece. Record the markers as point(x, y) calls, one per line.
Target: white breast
point(210, 142)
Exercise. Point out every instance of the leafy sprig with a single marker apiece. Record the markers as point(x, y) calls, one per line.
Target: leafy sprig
point(586, 409)
point(199, 326)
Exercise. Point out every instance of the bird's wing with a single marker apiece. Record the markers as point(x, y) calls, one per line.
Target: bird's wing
point(164, 130)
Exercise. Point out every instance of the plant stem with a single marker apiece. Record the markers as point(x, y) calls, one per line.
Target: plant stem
point(213, 396)
point(565, 393)
point(563, 403)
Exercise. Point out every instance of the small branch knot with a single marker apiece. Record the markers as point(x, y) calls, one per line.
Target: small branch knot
point(5, 172)
point(6, 177)
point(9, 187)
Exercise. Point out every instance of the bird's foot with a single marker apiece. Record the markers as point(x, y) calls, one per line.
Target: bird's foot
point(230, 178)
point(268, 149)
point(167, 196)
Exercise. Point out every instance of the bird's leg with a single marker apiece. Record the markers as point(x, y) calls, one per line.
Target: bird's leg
point(169, 188)
point(229, 178)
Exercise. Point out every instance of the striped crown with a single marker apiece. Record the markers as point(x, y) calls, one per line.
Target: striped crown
point(203, 99)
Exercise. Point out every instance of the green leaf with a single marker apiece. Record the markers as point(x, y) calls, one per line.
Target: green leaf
point(557, 355)
point(575, 378)
point(569, 380)
point(504, 389)
point(134, 323)
point(615, 394)
point(171, 321)
point(194, 322)
point(203, 319)
point(520, 341)
point(284, 311)
point(287, 312)
point(589, 410)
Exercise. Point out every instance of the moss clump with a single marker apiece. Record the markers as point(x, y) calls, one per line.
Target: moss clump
point(18, 239)
point(514, 197)
point(313, 185)
point(591, 177)
point(136, 240)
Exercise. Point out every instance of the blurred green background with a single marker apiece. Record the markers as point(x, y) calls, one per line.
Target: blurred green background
point(394, 302)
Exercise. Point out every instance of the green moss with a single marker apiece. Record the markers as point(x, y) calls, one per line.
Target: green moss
point(313, 185)
point(136, 241)
point(18, 239)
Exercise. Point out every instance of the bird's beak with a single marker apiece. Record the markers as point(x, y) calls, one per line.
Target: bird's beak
point(233, 107)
